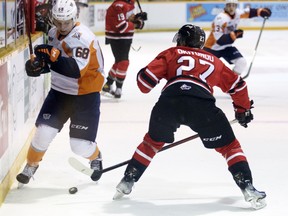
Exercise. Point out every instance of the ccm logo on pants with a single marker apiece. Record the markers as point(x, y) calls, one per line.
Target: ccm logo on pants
point(212, 139)
point(80, 127)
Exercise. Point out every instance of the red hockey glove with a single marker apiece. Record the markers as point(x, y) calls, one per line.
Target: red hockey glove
point(265, 12)
point(244, 116)
point(239, 33)
point(47, 52)
point(36, 67)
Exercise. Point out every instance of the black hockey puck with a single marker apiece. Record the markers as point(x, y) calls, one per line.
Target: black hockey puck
point(73, 190)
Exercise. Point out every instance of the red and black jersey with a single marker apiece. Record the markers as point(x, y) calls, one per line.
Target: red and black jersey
point(117, 25)
point(184, 67)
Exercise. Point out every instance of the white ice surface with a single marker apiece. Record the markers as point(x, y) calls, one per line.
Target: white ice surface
point(185, 180)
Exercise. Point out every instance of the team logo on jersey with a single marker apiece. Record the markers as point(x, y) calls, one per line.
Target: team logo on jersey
point(77, 35)
point(50, 38)
point(185, 87)
point(46, 116)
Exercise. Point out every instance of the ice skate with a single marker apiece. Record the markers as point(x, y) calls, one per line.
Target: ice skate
point(96, 164)
point(255, 197)
point(107, 91)
point(123, 188)
point(118, 93)
point(25, 176)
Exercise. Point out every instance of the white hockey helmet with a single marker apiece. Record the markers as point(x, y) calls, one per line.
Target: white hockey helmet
point(64, 10)
point(231, 1)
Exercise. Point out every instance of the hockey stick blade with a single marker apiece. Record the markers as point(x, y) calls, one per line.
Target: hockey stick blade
point(136, 49)
point(77, 165)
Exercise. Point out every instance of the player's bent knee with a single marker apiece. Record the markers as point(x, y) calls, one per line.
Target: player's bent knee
point(83, 148)
point(154, 144)
point(123, 65)
point(43, 137)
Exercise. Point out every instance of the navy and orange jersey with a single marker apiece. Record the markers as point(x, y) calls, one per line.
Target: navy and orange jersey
point(117, 24)
point(223, 27)
point(195, 72)
point(80, 69)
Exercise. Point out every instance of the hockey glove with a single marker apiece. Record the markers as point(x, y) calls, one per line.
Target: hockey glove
point(265, 12)
point(239, 33)
point(141, 15)
point(244, 116)
point(47, 53)
point(36, 67)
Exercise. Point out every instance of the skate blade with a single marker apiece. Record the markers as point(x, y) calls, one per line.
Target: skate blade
point(107, 94)
point(20, 185)
point(118, 195)
point(258, 204)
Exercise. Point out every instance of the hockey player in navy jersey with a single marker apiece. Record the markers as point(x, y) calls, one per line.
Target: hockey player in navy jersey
point(225, 31)
point(74, 58)
point(187, 99)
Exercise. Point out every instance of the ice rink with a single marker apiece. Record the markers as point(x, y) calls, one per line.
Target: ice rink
point(187, 179)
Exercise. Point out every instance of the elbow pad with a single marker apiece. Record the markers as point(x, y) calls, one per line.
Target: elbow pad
point(253, 12)
point(226, 39)
point(67, 67)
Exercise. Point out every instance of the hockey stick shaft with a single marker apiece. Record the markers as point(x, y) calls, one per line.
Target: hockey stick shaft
point(256, 47)
point(28, 28)
point(163, 149)
point(139, 6)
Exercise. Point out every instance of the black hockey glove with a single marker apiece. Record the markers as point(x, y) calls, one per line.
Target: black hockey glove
point(244, 116)
point(265, 12)
point(36, 67)
point(239, 33)
point(47, 53)
point(141, 15)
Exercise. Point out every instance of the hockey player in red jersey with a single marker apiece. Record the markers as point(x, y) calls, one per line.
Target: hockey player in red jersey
point(119, 30)
point(74, 58)
point(225, 31)
point(187, 99)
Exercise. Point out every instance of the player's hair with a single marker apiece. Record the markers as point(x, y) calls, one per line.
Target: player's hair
point(191, 36)
point(64, 10)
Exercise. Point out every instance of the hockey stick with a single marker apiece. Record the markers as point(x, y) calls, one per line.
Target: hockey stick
point(95, 174)
point(139, 6)
point(143, 14)
point(255, 50)
point(28, 29)
point(136, 49)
